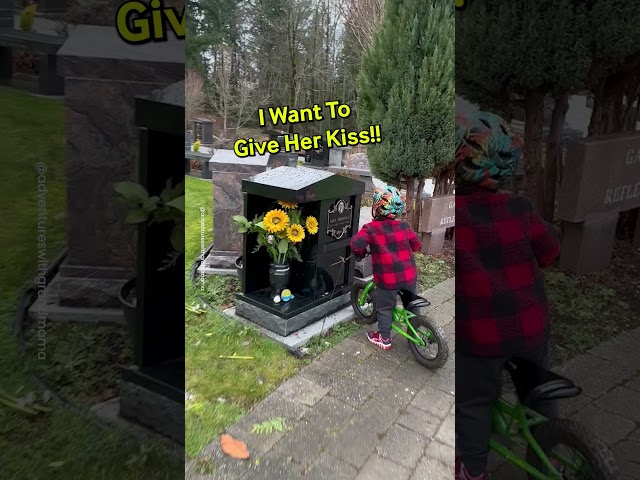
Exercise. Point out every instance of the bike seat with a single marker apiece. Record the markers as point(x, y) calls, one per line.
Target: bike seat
point(534, 383)
point(410, 300)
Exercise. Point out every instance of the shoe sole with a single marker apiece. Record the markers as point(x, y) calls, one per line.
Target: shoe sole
point(379, 344)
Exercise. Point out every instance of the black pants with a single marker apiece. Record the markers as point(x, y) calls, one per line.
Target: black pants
point(478, 387)
point(385, 301)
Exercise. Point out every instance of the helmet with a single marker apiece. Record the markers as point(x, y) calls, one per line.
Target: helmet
point(387, 202)
point(487, 151)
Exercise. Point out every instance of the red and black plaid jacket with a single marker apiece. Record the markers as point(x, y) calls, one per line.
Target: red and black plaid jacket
point(392, 243)
point(501, 245)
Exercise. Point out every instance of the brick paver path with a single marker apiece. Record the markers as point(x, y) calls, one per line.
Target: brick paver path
point(355, 413)
point(609, 406)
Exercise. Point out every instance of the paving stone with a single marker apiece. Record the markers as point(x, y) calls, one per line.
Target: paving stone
point(394, 393)
point(274, 406)
point(224, 467)
point(607, 374)
point(419, 421)
point(382, 469)
point(445, 379)
point(302, 390)
point(339, 361)
point(609, 427)
point(440, 318)
point(354, 444)
point(627, 454)
point(403, 446)
point(433, 401)
point(330, 414)
point(442, 453)
point(412, 374)
point(635, 435)
point(634, 383)
point(272, 466)
point(352, 346)
point(448, 308)
point(622, 350)
point(376, 415)
point(377, 368)
point(569, 406)
point(328, 467)
point(622, 401)
point(353, 389)
point(447, 431)
point(431, 469)
point(304, 443)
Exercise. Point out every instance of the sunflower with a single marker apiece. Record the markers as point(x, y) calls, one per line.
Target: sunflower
point(312, 225)
point(287, 205)
point(295, 233)
point(275, 221)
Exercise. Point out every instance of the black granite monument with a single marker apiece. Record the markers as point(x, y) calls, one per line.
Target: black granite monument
point(321, 283)
point(152, 390)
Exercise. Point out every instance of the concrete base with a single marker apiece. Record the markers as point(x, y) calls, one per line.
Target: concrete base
point(587, 246)
point(109, 411)
point(287, 326)
point(300, 338)
point(57, 313)
point(152, 409)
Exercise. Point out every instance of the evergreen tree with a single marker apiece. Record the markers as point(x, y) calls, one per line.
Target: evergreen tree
point(407, 87)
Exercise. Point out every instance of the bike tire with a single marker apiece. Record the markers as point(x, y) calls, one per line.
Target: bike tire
point(443, 347)
point(361, 318)
point(576, 436)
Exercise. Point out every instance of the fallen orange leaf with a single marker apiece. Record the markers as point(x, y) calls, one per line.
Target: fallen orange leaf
point(234, 448)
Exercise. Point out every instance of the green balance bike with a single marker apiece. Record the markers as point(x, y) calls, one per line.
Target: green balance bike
point(426, 340)
point(560, 449)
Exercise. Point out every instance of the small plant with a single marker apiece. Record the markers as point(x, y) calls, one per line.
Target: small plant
point(167, 207)
point(27, 16)
point(196, 146)
point(270, 426)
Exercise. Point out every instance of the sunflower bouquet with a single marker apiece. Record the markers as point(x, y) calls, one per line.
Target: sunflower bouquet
point(280, 230)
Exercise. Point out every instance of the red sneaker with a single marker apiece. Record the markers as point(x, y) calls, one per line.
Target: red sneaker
point(376, 339)
point(462, 474)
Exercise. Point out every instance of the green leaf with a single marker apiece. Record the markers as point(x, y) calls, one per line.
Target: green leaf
point(260, 225)
point(150, 203)
point(283, 246)
point(177, 238)
point(243, 230)
point(138, 215)
point(240, 219)
point(131, 191)
point(177, 203)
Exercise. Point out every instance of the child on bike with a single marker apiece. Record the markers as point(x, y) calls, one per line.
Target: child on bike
point(391, 242)
point(501, 305)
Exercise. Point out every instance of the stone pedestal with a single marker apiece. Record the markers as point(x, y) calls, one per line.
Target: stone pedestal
point(227, 172)
point(587, 246)
point(103, 75)
point(433, 242)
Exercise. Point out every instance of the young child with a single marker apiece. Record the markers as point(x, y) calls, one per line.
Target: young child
point(392, 243)
point(501, 305)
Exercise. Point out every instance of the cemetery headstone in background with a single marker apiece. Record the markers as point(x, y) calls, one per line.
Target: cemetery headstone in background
point(98, 65)
point(321, 283)
point(438, 214)
point(152, 390)
point(228, 172)
point(601, 179)
point(203, 130)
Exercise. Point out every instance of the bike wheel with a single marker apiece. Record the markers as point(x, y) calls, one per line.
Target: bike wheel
point(591, 459)
point(433, 336)
point(365, 314)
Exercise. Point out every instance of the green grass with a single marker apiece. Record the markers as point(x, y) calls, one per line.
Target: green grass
point(584, 314)
point(220, 391)
point(431, 271)
point(33, 130)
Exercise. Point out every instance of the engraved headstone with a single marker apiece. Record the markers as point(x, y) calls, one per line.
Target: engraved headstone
point(321, 282)
point(438, 214)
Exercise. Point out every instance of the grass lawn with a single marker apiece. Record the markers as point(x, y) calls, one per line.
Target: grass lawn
point(33, 132)
point(220, 391)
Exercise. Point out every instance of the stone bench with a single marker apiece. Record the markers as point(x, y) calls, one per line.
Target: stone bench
point(49, 83)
